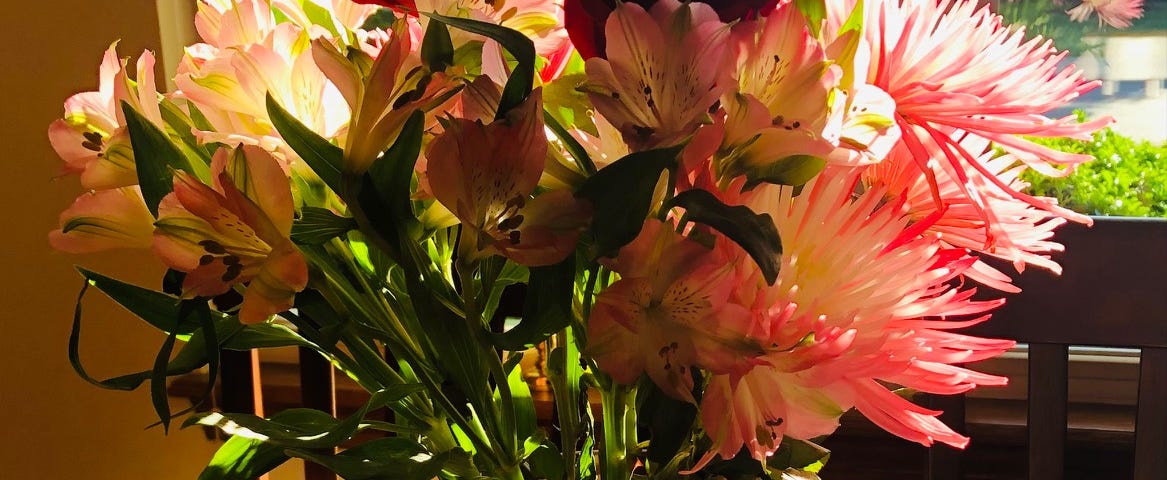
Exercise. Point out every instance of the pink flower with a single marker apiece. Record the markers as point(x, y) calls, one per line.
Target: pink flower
point(234, 233)
point(1017, 232)
point(784, 67)
point(485, 175)
point(949, 65)
point(671, 311)
point(664, 70)
point(92, 138)
point(1116, 13)
point(104, 220)
point(861, 298)
point(230, 87)
point(381, 97)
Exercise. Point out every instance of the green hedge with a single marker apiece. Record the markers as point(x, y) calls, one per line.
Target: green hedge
point(1127, 177)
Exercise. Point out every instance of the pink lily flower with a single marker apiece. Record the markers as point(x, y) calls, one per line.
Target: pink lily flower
point(673, 309)
point(665, 68)
point(485, 175)
point(104, 220)
point(234, 232)
point(91, 138)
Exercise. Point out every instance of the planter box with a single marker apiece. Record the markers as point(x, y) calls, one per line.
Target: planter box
point(1111, 292)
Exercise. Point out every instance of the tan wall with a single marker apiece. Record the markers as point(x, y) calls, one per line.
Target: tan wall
point(52, 424)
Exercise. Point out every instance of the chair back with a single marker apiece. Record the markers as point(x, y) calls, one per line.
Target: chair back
point(1110, 294)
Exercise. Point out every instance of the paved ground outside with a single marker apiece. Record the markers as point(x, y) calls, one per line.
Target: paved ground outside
point(1138, 116)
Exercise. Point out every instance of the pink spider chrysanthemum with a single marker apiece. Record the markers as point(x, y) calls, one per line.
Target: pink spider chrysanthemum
point(863, 300)
point(950, 64)
point(1116, 13)
point(1021, 233)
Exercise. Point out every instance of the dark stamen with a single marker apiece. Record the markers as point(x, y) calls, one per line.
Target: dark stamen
point(212, 246)
point(232, 272)
point(511, 223)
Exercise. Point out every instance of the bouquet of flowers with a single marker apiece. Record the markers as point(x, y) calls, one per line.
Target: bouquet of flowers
point(735, 221)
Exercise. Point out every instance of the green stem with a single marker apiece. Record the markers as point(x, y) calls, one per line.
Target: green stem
point(615, 459)
point(508, 434)
point(565, 387)
point(670, 191)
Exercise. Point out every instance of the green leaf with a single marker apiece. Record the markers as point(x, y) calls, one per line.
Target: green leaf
point(321, 433)
point(572, 146)
point(382, 207)
point(192, 356)
point(201, 349)
point(547, 463)
point(667, 419)
point(437, 49)
point(392, 174)
point(794, 170)
point(815, 12)
point(158, 396)
point(526, 421)
point(755, 233)
point(382, 19)
point(522, 48)
point(563, 100)
point(319, 225)
point(510, 274)
point(246, 458)
point(243, 458)
point(384, 459)
point(266, 335)
point(154, 156)
point(162, 311)
point(323, 157)
point(547, 308)
point(800, 455)
point(621, 195)
point(321, 16)
point(181, 126)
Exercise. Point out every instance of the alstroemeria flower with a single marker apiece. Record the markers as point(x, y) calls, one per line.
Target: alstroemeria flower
point(230, 87)
point(785, 67)
point(235, 23)
point(953, 65)
point(671, 311)
point(540, 20)
point(665, 69)
point(234, 233)
point(485, 175)
point(396, 85)
point(91, 138)
point(1116, 13)
point(865, 123)
point(104, 220)
point(754, 146)
point(861, 298)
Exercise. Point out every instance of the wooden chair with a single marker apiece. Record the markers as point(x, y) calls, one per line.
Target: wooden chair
point(241, 391)
point(1111, 294)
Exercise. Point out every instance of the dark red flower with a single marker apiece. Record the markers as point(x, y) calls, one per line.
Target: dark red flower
point(585, 18)
point(403, 6)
